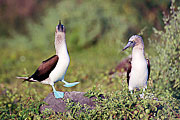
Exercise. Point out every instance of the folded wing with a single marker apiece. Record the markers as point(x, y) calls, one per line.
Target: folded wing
point(45, 69)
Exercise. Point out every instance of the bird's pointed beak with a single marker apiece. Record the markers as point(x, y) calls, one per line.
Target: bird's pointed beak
point(61, 27)
point(129, 44)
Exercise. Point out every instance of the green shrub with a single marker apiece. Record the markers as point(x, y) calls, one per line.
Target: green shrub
point(166, 64)
point(123, 105)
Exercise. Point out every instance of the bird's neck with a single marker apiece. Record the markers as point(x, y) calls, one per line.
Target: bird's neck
point(60, 44)
point(138, 53)
point(61, 48)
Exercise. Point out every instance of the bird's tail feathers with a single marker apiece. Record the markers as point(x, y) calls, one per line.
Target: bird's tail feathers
point(27, 79)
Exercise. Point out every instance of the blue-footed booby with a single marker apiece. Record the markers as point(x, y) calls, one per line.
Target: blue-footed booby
point(139, 69)
point(54, 69)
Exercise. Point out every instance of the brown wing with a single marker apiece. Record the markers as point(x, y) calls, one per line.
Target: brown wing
point(45, 68)
point(148, 65)
point(128, 72)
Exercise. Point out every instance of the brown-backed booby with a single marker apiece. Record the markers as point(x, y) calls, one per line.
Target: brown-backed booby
point(54, 68)
point(139, 70)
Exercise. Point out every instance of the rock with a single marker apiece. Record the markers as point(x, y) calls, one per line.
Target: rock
point(59, 105)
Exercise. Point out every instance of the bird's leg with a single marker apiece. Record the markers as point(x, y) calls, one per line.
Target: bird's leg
point(142, 95)
point(69, 84)
point(144, 89)
point(57, 94)
point(131, 91)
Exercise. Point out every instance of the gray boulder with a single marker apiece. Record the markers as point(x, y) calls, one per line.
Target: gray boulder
point(59, 105)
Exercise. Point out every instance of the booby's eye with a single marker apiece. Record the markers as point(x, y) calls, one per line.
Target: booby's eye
point(131, 41)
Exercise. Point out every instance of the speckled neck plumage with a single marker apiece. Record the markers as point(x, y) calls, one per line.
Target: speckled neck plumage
point(60, 43)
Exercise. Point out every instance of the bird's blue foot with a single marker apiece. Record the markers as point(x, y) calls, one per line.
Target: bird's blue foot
point(57, 94)
point(69, 84)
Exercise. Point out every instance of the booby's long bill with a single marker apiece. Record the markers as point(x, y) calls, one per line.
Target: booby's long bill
point(54, 69)
point(129, 44)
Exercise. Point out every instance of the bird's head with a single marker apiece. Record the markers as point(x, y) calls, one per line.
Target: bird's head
point(134, 41)
point(60, 33)
point(60, 27)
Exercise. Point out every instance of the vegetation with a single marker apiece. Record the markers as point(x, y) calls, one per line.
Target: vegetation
point(95, 32)
point(168, 51)
point(14, 14)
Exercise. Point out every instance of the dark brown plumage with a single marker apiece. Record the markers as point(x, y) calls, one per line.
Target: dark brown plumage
point(148, 63)
point(44, 69)
point(128, 72)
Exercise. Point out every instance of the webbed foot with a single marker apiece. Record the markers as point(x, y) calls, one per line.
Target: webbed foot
point(57, 94)
point(69, 84)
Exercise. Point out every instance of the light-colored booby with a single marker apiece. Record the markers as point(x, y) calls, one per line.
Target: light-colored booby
point(54, 69)
point(139, 69)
